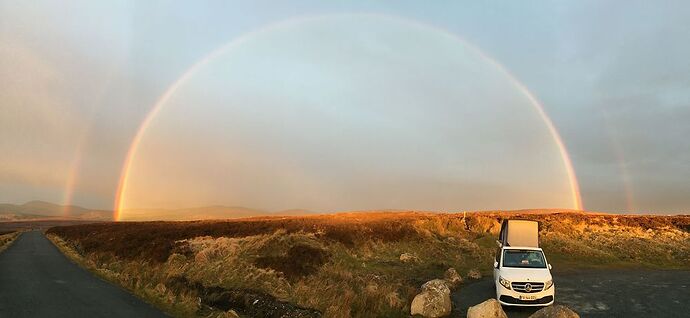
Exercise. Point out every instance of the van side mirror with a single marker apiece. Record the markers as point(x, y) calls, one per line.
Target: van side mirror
point(496, 264)
point(499, 243)
point(550, 267)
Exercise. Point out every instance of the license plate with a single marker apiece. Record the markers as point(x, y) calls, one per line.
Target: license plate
point(528, 297)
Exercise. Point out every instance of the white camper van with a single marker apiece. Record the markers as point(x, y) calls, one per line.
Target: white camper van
point(521, 272)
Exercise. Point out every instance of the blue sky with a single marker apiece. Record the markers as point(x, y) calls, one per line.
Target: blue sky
point(613, 77)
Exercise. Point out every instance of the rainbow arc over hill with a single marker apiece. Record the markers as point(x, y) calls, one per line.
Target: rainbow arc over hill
point(576, 200)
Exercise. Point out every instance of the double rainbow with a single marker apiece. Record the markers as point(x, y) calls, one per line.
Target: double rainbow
point(190, 72)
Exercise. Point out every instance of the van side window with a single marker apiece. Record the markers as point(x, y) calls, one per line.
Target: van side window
point(502, 233)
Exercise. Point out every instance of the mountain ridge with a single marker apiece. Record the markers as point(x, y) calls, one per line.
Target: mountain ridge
point(37, 210)
point(42, 210)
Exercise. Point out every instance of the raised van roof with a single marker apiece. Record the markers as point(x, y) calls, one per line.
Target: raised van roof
point(520, 233)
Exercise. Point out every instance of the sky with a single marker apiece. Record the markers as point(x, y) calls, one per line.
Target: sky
point(346, 105)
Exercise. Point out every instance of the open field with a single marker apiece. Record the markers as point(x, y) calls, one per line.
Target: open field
point(347, 264)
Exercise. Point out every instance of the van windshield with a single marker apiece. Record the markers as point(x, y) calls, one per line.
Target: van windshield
point(523, 259)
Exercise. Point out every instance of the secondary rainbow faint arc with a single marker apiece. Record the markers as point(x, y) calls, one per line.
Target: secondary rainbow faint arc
point(170, 91)
point(75, 165)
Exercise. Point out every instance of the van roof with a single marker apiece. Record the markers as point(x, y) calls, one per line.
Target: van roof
point(520, 233)
point(522, 248)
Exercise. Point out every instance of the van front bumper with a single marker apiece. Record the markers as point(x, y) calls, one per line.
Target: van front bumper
point(510, 297)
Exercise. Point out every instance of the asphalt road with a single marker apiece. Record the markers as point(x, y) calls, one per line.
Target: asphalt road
point(600, 293)
point(36, 280)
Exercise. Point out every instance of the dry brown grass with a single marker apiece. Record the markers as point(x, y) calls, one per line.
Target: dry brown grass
point(346, 265)
point(300, 260)
point(156, 240)
point(7, 238)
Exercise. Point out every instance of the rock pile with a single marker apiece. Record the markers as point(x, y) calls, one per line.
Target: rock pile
point(452, 278)
point(490, 308)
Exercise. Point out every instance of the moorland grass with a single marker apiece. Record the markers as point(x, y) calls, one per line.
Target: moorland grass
point(347, 265)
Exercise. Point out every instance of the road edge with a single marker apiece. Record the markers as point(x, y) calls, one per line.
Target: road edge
point(73, 256)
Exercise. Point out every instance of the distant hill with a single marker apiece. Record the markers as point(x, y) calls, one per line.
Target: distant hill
point(41, 210)
point(45, 210)
point(204, 213)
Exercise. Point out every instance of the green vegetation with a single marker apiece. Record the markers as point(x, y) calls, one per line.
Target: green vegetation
point(343, 265)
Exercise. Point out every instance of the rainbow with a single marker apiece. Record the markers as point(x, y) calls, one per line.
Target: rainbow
point(170, 91)
point(73, 173)
point(70, 182)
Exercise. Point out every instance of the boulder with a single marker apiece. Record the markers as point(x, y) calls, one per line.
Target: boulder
point(231, 314)
point(488, 309)
point(556, 311)
point(474, 274)
point(433, 301)
point(408, 258)
point(452, 278)
point(436, 285)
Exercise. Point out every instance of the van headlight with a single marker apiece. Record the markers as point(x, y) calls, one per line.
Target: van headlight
point(504, 282)
point(548, 284)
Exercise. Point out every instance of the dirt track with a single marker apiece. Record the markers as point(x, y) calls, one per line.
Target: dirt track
point(600, 293)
